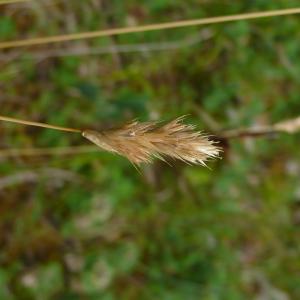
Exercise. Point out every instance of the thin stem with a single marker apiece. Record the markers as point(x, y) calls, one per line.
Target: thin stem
point(37, 124)
point(12, 1)
point(143, 28)
point(288, 126)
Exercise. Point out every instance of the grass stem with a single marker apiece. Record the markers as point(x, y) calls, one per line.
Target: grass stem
point(37, 124)
point(12, 1)
point(144, 28)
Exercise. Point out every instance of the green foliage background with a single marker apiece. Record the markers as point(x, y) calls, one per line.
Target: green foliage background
point(89, 226)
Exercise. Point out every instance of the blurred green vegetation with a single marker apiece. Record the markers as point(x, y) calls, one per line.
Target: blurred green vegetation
point(89, 226)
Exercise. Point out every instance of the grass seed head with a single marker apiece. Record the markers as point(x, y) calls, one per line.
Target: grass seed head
point(141, 142)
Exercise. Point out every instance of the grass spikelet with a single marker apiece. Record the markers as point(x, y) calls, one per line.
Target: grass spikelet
point(141, 142)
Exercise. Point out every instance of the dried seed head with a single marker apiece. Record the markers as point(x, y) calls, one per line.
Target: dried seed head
point(140, 142)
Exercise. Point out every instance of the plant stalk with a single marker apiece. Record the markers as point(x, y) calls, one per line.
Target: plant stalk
point(38, 124)
point(144, 28)
point(12, 1)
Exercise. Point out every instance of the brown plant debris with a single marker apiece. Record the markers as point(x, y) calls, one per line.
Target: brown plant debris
point(141, 142)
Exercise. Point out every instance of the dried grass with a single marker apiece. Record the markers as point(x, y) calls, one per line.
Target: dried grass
point(144, 28)
point(141, 142)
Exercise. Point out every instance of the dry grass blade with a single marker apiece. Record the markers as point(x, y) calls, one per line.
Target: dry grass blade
point(13, 1)
point(144, 28)
point(140, 142)
point(38, 124)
